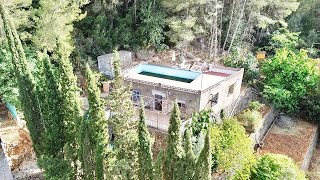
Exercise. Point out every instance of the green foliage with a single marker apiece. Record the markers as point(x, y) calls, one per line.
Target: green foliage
point(124, 163)
point(201, 121)
point(146, 171)
point(242, 58)
point(174, 149)
point(8, 82)
point(255, 105)
point(295, 75)
point(283, 38)
point(232, 151)
point(96, 137)
point(189, 159)
point(203, 166)
point(277, 166)
point(250, 119)
point(158, 166)
point(310, 104)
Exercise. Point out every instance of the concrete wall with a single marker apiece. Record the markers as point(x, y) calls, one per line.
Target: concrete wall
point(225, 98)
point(105, 62)
point(148, 91)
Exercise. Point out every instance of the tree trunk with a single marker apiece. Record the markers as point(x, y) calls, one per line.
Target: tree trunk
point(229, 27)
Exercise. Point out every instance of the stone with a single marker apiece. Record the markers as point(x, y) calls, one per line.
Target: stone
point(105, 62)
point(144, 54)
point(285, 122)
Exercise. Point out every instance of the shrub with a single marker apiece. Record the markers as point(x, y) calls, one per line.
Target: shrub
point(310, 104)
point(255, 105)
point(232, 150)
point(277, 166)
point(241, 58)
point(200, 121)
point(250, 119)
point(288, 78)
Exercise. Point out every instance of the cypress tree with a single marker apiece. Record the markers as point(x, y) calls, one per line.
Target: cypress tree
point(189, 159)
point(174, 150)
point(203, 166)
point(146, 170)
point(71, 111)
point(158, 166)
point(26, 84)
point(97, 125)
point(125, 147)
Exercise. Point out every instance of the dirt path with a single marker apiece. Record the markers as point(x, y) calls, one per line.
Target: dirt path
point(5, 173)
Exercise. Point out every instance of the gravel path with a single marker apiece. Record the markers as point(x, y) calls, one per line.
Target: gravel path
point(5, 173)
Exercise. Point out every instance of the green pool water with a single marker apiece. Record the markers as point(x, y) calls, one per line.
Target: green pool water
point(186, 80)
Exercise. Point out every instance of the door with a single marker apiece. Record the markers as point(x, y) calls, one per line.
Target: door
point(158, 102)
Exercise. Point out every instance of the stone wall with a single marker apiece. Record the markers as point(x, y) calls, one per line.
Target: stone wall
point(307, 157)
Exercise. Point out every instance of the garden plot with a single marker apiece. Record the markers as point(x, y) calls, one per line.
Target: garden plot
point(294, 139)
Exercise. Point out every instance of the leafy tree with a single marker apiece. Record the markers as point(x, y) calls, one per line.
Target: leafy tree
point(203, 166)
point(232, 151)
point(241, 58)
point(174, 149)
point(124, 163)
point(201, 121)
point(296, 75)
point(310, 104)
point(146, 170)
point(277, 166)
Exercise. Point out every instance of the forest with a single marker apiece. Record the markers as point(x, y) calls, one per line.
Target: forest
point(45, 45)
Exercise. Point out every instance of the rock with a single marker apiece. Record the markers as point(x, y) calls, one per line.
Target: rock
point(285, 122)
point(105, 62)
point(145, 54)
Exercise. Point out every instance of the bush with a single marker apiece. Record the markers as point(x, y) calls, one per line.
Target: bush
point(288, 78)
point(250, 119)
point(310, 104)
point(241, 58)
point(255, 105)
point(277, 166)
point(200, 121)
point(232, 150)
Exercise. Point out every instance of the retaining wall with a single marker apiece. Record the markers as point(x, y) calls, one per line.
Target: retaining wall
point(307, 157)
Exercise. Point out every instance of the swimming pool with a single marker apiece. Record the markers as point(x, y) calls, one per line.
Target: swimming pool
point(166, 73)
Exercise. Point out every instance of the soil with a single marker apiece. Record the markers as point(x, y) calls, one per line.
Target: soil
point(293, 142)
point(160, 141)
point(314, 169)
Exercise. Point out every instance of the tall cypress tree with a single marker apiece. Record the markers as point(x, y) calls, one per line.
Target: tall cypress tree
point(146, 170)
point(70, 109)
point(174, 149)
point(27, 88)
point(203, 166)
point(97, 126)
point(189, 159)
point(125, 151)
point(158, 166)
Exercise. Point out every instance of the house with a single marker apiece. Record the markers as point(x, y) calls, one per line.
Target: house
point(217, 88)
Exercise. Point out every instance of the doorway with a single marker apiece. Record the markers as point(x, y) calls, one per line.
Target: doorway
point(158, 102)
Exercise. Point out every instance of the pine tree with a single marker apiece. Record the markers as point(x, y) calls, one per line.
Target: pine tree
point(146, 170)
point(189, 159)
point(97, 126)
point(203, 166)
point(174, 149)
point(125, 154)
point(27, 88)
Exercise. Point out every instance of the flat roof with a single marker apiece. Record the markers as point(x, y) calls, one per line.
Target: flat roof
point(201, 82)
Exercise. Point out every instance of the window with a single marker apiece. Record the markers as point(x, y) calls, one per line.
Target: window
point(136, 95)
point(181, 105)
point(158, 102)
point(231, 89)
point(214, 99)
